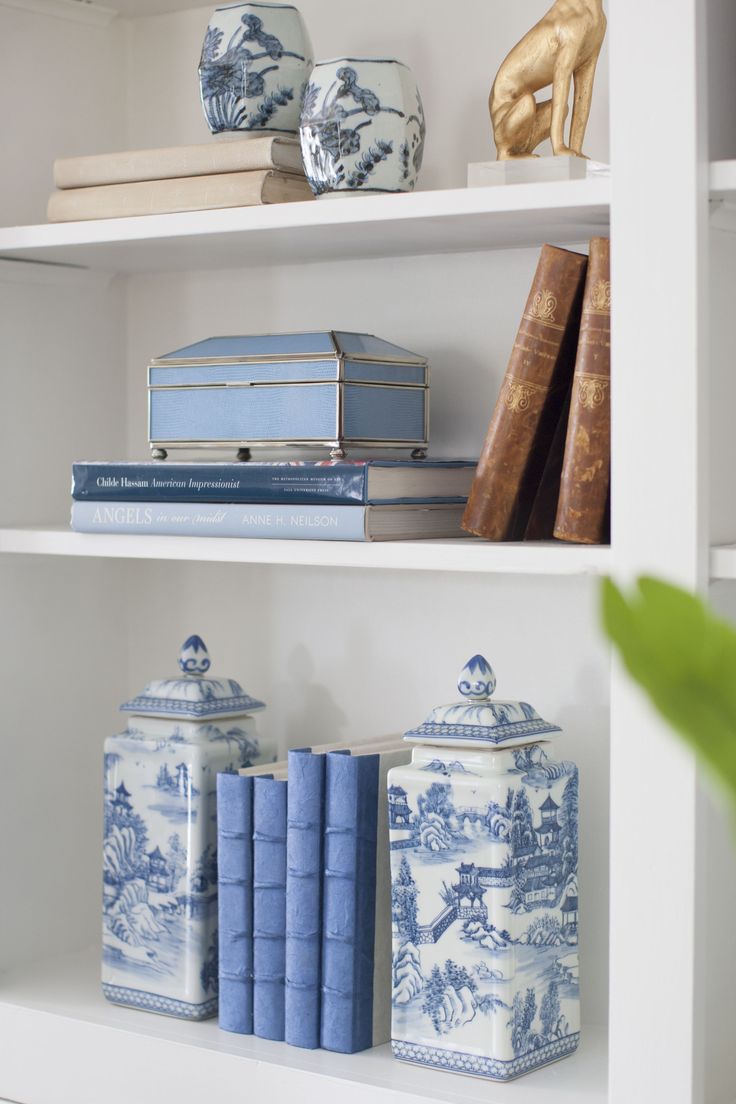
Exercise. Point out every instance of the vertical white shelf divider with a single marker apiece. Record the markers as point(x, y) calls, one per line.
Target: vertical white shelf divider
point(659, 505)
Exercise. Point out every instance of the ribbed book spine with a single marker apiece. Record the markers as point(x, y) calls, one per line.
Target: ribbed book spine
point(304, 833)
point(269, 906)
point(235, 902)
point(532, 395)
point(582, 512)
point(351, 820)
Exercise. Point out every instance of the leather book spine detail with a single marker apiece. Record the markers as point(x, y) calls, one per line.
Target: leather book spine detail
point(583, 509)
point(530, 402)
point(544, 511)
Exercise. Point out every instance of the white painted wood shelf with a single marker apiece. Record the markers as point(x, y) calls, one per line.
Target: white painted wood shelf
point(56, 1009)
point(448, 221)
point(462, 555)
point(723, 195)
point(723, 562)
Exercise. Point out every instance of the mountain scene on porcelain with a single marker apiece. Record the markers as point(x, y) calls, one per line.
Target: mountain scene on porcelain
point(256, 59)
point(362, 127)
point(484, 866)
point(159, 909)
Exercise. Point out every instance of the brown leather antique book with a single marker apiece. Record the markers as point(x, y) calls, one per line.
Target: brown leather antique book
point(531, 400)
point(583, 509)
point(542, 520)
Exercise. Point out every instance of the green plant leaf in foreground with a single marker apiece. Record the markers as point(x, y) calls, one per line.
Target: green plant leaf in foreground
point(684, 658)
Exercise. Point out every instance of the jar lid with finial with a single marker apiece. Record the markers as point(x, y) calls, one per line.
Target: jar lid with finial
point(195, 694)
point(479, 721)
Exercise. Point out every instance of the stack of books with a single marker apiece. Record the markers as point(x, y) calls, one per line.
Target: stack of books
point(340, 500)
point(304, 897)
point(243, 172)
point(544, 470)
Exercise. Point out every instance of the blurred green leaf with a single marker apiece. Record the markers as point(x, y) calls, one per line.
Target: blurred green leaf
point(684, 658)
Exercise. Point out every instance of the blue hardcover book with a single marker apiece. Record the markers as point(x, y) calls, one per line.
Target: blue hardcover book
point(338, 523)
point(304, 830)
point(269, 906)
point(235, 902)
point(318, 482)
point(356, 914)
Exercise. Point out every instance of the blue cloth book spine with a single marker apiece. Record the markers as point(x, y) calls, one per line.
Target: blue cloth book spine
point(235, 902)
point(349, 906)
point(304, 832)
point(269, 906)
point(221, 520)
point(336, 484)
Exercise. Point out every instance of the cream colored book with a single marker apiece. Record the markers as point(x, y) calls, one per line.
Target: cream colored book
point(238, 155)
point(193, 193)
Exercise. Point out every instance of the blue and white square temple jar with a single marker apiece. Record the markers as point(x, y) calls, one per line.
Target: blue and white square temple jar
point(484, 854)
point(159, 931)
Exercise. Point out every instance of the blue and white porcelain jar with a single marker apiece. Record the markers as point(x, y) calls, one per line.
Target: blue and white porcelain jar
point(256, 59)
point(484, 856)
point(362, 127)
point(159, 930)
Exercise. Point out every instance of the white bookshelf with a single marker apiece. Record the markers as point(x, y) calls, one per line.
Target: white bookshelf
point(320, 629)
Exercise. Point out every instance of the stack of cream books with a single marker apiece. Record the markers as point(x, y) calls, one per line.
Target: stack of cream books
point(241, 172)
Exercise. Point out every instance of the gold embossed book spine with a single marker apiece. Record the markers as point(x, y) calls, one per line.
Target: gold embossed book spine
point(532, 397)
point(583, 508)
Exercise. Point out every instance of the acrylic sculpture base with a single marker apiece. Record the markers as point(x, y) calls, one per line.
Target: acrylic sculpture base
point(533, 170)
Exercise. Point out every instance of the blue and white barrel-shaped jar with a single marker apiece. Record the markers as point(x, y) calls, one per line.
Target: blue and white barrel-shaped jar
point(484, 863)
point(159, 921)
point(362, 127)
point(255, 63)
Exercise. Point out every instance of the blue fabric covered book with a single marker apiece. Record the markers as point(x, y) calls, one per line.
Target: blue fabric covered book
point(269, 906)
point(305, 805)
point(318, 482)
point(356, 915)
point(235, 895)
point(235, 901)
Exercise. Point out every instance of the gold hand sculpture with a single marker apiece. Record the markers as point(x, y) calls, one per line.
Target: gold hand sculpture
point(562, 47)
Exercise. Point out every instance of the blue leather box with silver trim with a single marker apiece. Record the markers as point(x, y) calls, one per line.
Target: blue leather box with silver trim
point(327, 389)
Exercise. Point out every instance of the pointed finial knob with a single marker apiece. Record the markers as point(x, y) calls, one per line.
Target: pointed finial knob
point(194, 658)
point(477, 680)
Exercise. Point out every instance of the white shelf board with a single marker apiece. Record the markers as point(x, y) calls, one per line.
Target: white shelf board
point(723, 562)
point(464, 555)
point(723, 195)
point(57, 1028)
point(451, 221)
point(722, 179)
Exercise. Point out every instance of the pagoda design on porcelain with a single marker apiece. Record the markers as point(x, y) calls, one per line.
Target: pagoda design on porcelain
point(484, 856)
point(159, 919)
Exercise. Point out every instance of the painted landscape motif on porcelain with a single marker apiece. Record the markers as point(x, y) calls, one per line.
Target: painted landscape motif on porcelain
point(485, 911)
point(160, 865)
